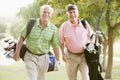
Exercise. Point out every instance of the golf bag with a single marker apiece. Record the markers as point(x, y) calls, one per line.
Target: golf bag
point(92, 53)
point(12, 44)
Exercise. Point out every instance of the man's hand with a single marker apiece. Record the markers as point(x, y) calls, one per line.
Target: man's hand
point(57, 65)
point(65, 57)
point(16, 57)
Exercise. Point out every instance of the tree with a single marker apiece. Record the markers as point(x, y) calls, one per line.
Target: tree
point(111, 26)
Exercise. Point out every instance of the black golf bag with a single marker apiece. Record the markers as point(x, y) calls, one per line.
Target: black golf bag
point(92, 53)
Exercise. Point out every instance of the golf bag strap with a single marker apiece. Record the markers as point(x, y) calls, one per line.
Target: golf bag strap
point(83, 23)
point(30, 24)
point(100, 67)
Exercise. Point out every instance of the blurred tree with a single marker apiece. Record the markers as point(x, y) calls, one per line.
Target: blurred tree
point(113, 24)
point(3, 28)
point(15, 29)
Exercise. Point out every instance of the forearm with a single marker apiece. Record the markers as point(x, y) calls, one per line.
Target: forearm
point(56, 52)
point(19, 44)
point(64, 55)
point(62, 48)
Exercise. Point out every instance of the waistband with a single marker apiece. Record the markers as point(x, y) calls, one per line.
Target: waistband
point(74, 53)
point(40, 54)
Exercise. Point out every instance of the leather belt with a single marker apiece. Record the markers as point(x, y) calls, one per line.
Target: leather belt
point(74, 53)
point(39, 54)
point(36, 54)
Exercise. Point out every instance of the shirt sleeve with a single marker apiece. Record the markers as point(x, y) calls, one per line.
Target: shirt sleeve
point(89, 29)
point(61, 34)
point(23, 32)
point(90, 32)
point(55, 39)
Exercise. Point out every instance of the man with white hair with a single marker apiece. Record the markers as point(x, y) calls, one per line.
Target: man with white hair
point(42, 35)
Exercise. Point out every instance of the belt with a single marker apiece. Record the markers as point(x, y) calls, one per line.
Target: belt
point(39, 54)
point(36, 54)
point(74, 53)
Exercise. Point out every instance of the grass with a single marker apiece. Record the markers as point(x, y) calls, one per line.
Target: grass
point(17, 71)
point(116, 72)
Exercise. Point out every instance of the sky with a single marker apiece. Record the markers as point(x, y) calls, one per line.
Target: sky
point(9, 8)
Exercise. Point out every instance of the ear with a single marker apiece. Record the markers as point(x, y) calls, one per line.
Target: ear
point(67, 14)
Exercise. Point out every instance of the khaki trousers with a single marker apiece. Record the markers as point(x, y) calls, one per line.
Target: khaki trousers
point(36, 66)
point(75, 63)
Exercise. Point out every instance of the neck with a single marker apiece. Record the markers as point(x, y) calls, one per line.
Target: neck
point(43, 23)
point(74, 21)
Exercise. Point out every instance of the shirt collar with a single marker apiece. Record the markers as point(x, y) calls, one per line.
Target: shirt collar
point(77, 25)
point(39, 24)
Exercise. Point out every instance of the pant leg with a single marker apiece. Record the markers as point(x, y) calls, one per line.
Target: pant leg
point(36, 66)
point(71, 71)
point(72, 66)
point(84, 69)
point(43, 64)
point(30, 66)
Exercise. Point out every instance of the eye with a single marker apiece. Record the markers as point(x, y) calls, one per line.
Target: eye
point(74, 11)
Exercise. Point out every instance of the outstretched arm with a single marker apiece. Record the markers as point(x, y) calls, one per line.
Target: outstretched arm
point(16, 57)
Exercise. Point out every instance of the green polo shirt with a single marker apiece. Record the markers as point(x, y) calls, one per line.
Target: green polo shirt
point(39, 40)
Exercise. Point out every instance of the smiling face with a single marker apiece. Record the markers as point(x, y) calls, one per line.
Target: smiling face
point(45, 13)
point(72, 15)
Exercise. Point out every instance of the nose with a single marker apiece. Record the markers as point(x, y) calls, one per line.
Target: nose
point(46, 13)
point(72, 14)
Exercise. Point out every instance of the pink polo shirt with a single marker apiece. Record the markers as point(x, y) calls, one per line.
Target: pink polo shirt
point(74, 37)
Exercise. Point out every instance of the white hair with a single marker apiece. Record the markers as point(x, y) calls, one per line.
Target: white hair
point(46, 6)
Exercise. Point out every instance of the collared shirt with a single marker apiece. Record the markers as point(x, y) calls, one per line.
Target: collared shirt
point(74, 37)
point(39, 40)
